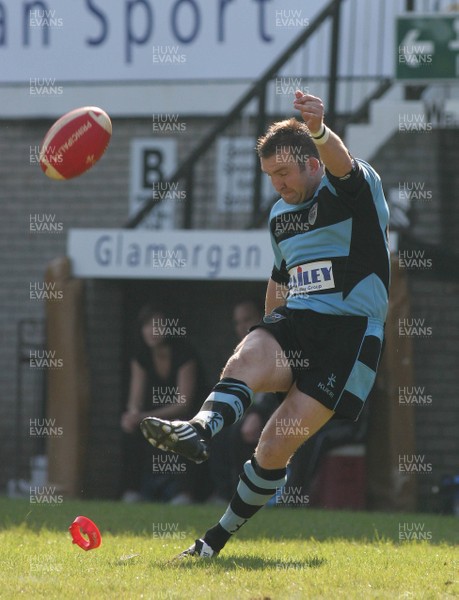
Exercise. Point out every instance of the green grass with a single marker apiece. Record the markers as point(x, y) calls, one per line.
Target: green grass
point(281, 554)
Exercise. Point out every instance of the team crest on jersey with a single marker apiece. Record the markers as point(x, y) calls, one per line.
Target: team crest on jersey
point(273, 317)
point(313, 214)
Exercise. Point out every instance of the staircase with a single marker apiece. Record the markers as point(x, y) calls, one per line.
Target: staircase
point(342, 57)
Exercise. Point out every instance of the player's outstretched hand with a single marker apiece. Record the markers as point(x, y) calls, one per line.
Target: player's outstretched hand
point(312, 110)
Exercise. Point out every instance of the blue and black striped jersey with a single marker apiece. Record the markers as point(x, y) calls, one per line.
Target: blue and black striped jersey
point(332, 250)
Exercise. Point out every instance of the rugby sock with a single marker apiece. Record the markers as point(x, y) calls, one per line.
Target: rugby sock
point(225, 405)
point(255, 488)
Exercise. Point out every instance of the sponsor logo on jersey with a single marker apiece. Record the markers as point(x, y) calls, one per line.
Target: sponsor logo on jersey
point(311, 277)
point(273, 317)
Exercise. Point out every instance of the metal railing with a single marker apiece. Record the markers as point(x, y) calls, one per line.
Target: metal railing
point(344, 55)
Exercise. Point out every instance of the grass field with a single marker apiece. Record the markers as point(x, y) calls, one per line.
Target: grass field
point(281, 554)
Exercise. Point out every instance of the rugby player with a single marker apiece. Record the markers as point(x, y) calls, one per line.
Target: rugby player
point(326, 303)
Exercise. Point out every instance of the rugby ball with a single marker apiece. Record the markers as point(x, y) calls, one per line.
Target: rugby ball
point(75, 142)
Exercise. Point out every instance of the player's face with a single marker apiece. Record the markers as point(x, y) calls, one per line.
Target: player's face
point(295, 182)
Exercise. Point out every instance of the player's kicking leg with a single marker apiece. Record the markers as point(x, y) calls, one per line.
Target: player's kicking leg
point(252, 368)
point(265, 473)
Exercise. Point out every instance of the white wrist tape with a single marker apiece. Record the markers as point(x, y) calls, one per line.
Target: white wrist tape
point(320, 137)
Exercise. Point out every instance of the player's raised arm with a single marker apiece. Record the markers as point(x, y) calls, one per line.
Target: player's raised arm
point(333, 152)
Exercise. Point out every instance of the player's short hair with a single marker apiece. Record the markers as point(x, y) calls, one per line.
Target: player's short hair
point(291, 135)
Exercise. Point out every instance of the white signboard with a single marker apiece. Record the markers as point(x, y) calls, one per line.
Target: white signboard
point(236, 163)
point(177, 254)
point(119, 40)
point(153, 160)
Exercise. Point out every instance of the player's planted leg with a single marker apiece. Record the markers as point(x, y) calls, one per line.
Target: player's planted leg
point(265, 473)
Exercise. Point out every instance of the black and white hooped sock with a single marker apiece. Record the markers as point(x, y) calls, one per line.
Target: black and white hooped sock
point(225, 405)
point(255, 488)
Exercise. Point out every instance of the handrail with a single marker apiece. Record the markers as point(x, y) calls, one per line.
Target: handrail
point(256, 89)
point(186, 170)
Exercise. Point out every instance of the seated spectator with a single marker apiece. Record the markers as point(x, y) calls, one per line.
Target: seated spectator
point(166, 381)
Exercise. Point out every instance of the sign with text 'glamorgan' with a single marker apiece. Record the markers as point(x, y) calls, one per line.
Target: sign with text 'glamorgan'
point(130, 40)
point(177, 254)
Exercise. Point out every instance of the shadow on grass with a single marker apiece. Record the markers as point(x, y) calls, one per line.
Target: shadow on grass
point(247, 562)
point(277, 523)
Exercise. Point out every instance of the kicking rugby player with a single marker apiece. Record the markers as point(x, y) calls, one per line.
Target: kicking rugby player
point(326, 303)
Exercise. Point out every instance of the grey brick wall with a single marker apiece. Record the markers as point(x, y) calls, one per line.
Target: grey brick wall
point(98, 199)
point(431, 158)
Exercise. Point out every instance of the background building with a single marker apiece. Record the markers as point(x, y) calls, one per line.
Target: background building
point(189, 86)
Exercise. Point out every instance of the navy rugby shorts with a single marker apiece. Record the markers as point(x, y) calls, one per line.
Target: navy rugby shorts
point(333, 358)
